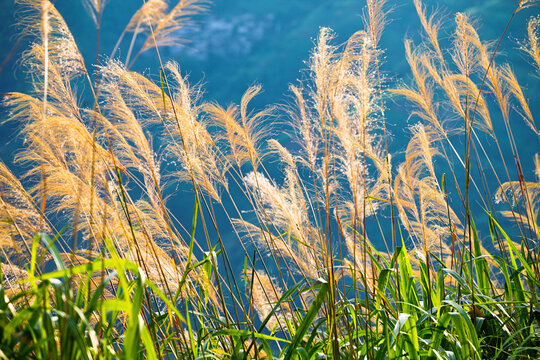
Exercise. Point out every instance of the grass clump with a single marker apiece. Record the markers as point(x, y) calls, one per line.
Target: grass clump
point(349, 251)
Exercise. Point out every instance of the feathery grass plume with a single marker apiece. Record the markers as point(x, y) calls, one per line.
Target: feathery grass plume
point(526, 193)
point(524, 4)
point(339, 127)
point(431, 25)
point(163, 254)
point(144, 237)
point(472, 57)
point(145, 19)
point(321, 61)
point(423, 95)
point(481, 55)
point(517, 91)
point(53, 62)
point(284, 154)
point(286, 211)
point(278, 245)
point(469, 55)
point(136, 155)
point(165, 30)
point(461, 91)
point(156, 262)
point(135, 103)
point(265, 294)
point(344, 105)
point(499, 81)
point(375, 19)
point(19, 217)
point(148, 15)
point(199, 152)
point(62, 145)
point(307, 128)
point(191, 143)
point(474, 61)
point(422, 207)
point(244, 130)
point(45, 23)
point(69, 180)
point(322, 67)
point(95, 8)
point(130, 143)
point(459, 88)
point(532, 46)
point(166, 265)
point(421, 146)
point(59, 91)
point(466, 45)
point(20, 220)
point(357, 123)
point(464, 97)
point(143, 234)
point(138, 92)
point(314, 226)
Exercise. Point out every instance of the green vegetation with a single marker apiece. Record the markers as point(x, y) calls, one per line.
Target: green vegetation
point(332, 248)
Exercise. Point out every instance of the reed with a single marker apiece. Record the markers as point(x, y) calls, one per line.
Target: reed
point(349, 251)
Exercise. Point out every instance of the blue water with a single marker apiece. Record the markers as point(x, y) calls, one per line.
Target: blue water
point(239, 43)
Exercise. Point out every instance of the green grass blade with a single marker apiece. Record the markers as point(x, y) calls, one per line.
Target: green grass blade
point(308, 319)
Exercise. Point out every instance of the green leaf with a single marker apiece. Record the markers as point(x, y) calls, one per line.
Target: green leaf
point(308, 319)
point(438, 333)
point(248, 334)
point(481, 265)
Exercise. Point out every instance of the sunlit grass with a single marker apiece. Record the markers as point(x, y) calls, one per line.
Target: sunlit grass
point(349, 251)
